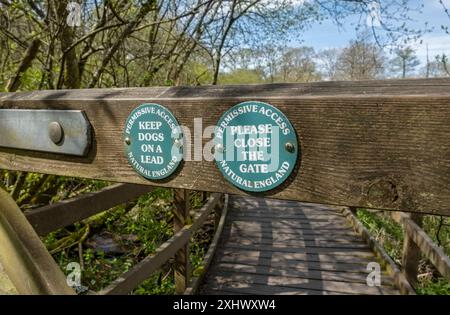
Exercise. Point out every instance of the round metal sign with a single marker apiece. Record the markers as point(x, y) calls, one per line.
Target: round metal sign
point(255, 146)
point(153, 141)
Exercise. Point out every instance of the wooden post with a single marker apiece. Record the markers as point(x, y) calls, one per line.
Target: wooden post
point(411, 253)
point(180, 216)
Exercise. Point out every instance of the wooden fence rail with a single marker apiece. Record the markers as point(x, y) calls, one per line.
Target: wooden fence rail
point(23, 253)
point(418, 243)
point(61, 214)
point(179, 242)
point(374, 144)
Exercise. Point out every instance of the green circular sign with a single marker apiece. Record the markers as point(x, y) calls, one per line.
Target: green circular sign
point(256, 146)
point(153, 141)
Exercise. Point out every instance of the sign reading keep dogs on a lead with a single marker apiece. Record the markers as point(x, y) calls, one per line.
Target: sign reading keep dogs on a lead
point(153, 141)
point(256, 146)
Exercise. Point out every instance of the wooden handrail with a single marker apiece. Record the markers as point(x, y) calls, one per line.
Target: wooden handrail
point(207, 260)
point(331, 118)
point(399, 278)
point(424, 244)
point(144, 269)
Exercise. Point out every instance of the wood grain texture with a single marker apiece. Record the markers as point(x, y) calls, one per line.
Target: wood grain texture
point(182, 268)
point(256, 262)
point(411, 254)
point(26, 261)
point(376, 144)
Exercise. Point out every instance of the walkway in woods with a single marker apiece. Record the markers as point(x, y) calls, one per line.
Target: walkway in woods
point(285, 247)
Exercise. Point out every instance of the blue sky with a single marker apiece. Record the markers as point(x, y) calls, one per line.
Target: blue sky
point(327, 34)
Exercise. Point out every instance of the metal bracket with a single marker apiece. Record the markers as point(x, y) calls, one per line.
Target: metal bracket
point(54, 131)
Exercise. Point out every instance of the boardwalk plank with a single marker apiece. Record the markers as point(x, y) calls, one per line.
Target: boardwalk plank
point(242, 280)
point(295, 273)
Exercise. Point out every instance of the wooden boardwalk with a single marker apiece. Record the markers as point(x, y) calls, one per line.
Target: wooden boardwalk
point(285, 247)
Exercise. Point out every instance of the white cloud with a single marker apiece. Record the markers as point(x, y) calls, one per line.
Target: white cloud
point(437, 44)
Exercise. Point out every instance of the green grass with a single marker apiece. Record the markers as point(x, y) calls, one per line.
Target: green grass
point(150, 223)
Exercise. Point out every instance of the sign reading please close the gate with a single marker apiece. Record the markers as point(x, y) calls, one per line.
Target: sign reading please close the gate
point(255, 146)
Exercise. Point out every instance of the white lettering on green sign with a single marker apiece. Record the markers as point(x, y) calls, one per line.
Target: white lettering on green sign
point(256, 146)
point(149, 135)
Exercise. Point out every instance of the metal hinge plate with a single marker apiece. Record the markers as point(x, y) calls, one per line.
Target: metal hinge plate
point(46, 130)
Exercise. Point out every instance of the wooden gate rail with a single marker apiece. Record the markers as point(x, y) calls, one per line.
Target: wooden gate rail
point(144, 269)
point(24, 257)
point(61, 214)
point(374, 144)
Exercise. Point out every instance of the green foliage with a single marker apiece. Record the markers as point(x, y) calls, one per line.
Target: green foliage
point(385, 230)
point(157, 284)
point(438, 228)
point(241, 76)
point(139, 228)
point(438, 287)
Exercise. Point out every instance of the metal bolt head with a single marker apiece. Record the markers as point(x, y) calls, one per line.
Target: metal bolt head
point(128, 140)
point(219, 148)
point(55, 132)
point(178, 143)
point(289, 147)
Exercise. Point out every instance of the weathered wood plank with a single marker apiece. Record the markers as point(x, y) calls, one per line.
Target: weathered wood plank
point(356, 265)
point(300, 220)
point(290, 226)
point(242, 280)
point(283, 216)
point(305, 273)
point(377, 144)
point(258, 289)
point(6, 286)
point(306, 240)
point(24, 257)
point(145, 268)
point(411, 254)
point(52, 217)
point(279, 256)
point(244, 227)
point(362, 252)
point(266, 243)
point(182, 269)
